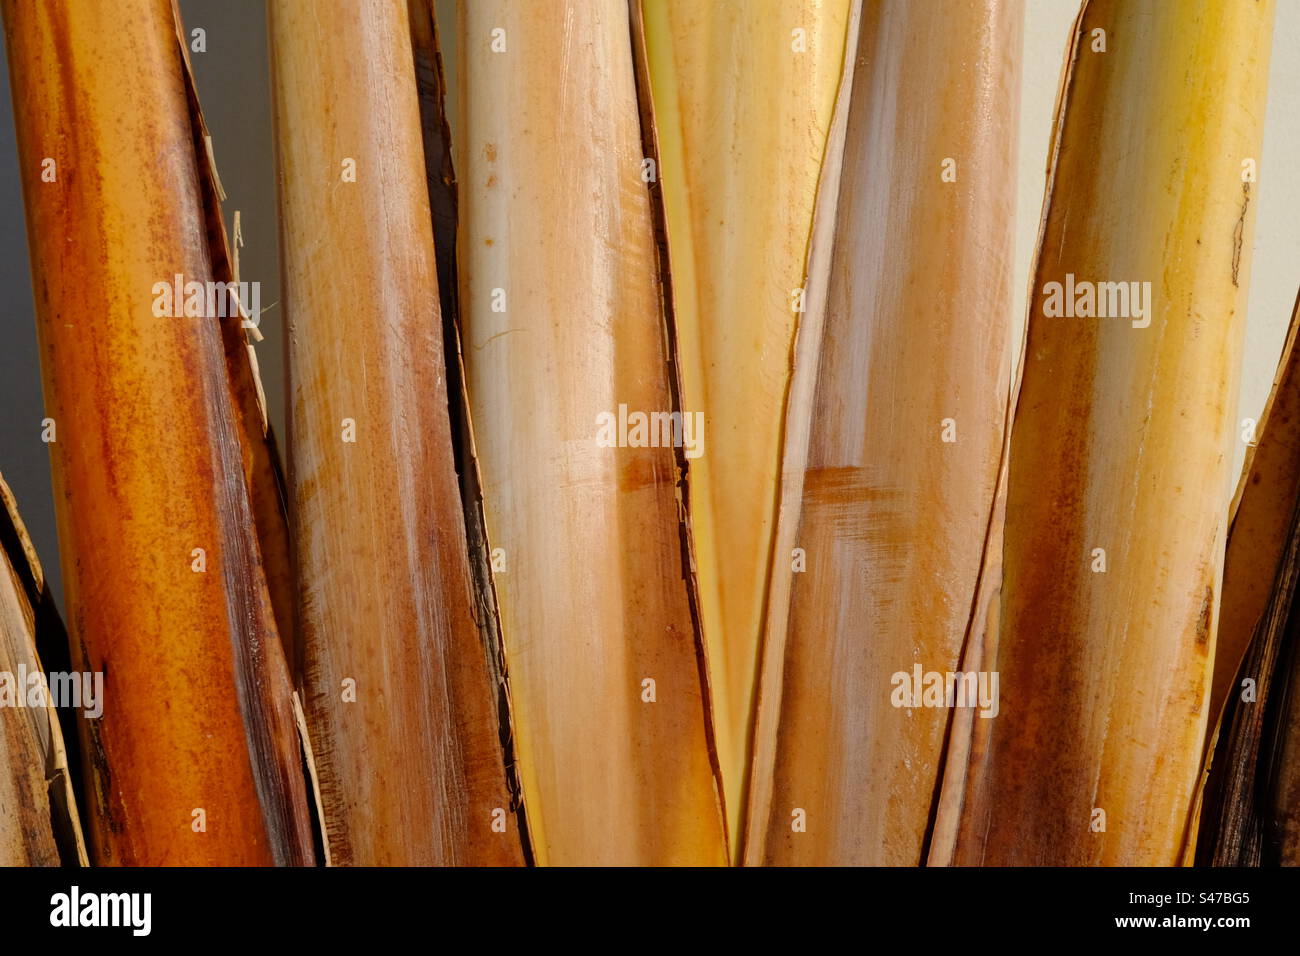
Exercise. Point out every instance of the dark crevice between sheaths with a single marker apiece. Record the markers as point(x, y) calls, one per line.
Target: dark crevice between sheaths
point(441, 180)
point(650, 150)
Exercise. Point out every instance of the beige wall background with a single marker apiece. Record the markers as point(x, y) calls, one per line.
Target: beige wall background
point(1275, 273)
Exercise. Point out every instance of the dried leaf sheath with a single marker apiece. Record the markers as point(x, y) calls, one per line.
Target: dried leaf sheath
point(743, 92)
point(399, 698)
point(147, 458)
point(1235, 809)
point(1261, 515)
point(905, 437)
point(39, 821)
point(1252, 621)
point(562, 323)
point(1121, 442)
point(1249, 802)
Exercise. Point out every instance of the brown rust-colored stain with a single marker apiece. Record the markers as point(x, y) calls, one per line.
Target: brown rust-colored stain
point(644, 467)
point(1206, 615)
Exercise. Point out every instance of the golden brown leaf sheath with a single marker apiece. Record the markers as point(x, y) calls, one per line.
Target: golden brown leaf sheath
point(147, 461)
point(1120, 444)
point(399, 696)
point(903, 438)
point(562, 319)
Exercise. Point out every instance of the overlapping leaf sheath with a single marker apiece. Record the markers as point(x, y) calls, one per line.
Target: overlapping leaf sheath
point(743, 92)
point(1121, 441)
point(196, 756)
point(401, 694)
point(39, 822)
point(563, 325)
point(1251, 800)
point(1261, 515)
point(899, 434)
point(1234, 811)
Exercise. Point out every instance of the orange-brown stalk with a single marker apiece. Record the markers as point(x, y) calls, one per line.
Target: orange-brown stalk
point(196, 759)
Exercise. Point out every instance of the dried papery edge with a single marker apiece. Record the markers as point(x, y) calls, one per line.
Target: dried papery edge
point(313, 780)
point(982, 632)
point(797, 428)
point(650, 142)
point(18, 559)
point(431, 84)
point(1282, 377)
